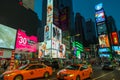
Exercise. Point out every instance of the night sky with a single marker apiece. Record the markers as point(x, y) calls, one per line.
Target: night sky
point(87, 9)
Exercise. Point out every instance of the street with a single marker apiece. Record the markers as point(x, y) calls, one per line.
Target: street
point(98, 74)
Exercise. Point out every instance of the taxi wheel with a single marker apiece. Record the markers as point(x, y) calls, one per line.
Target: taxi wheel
point(46, 75)
point(18, 77)
point(78, 78)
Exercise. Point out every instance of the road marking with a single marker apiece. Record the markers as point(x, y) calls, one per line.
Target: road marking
point(102, 76)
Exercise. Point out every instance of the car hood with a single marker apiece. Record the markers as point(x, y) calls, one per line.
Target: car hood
point(67, 71)
point(11, 71)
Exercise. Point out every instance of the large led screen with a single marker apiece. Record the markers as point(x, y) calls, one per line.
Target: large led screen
point(7, 37)
point(47, 32)
point(104, 41)
point(44, 49)
point(26, 43)
point(102, 29)
point(100, 16)
point(49, 11)
point(114, 39)
point(61, 51)
point(56, 33)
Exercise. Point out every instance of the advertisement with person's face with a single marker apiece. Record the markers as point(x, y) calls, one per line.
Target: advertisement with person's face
point(47, 32)
point(61, 52)
point(7, 37)
point(44, 49)
point(55, 45)
point(49, 11)
point(56, 33)
point(104, 41)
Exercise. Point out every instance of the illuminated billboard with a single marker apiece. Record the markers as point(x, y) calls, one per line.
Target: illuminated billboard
point(54, 50)
point(47, 32)
point(101, 50)
point(102, 29)
point(49, 11)
point(104, 41)
point(7, 37)
point(114, 39)
point(99, 6)
point(61, 51)
point(56, 33)
point(99, 16)
point(24, 42)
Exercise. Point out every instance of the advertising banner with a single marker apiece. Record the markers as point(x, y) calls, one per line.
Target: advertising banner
point(26, 43)
point(48, 32)
point(56, 33)
point(7, 37)
point(104, 41)
point(99, 16)
point(49, 11)
point(114, 39)
point(102, 29)
point(61, 52)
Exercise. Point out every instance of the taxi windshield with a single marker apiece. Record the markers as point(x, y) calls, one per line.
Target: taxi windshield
point(72, 67)
point(23, 67)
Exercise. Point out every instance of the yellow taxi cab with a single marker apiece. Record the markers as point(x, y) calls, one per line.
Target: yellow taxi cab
point(29, 71)
point(75, 72)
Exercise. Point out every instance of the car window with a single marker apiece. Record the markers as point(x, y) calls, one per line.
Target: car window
point(33, 67)
point(84, 67)
point(72, 67)
point(23, 67)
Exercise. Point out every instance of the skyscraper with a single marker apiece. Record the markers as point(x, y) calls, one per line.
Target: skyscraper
point(79, 24)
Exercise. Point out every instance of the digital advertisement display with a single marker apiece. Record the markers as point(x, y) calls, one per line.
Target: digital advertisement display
point(24, 42)
point(44, 49)
point(100, 16)
point(47, 32)
point(61, 52)
point(114, 39)
point(54, 53)
point(104, 55)
point(54, 50)
point(116, 48)
point(49, 11)
point(56, 33)
point(99, 6)
point(101, 50)
point(102, 29)
point(7, 37)
point(104, 41)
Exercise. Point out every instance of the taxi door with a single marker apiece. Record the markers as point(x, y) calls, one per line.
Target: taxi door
point(30, 72)
point(83, 71)
point(41, 70)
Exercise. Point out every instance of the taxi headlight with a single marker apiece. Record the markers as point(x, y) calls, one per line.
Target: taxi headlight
point(8, 74)
point(70, 75)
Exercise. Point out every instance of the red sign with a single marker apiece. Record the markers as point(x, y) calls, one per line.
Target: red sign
point(114, 36)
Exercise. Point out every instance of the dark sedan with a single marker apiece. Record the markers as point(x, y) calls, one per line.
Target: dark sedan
point(108, 65)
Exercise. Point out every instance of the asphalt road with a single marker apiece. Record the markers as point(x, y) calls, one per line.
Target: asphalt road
point(98, 74)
